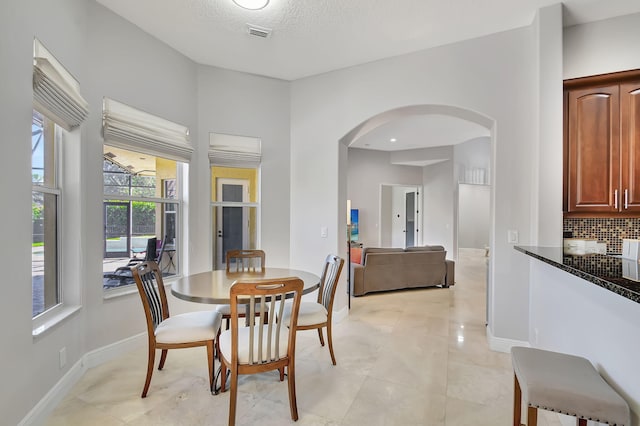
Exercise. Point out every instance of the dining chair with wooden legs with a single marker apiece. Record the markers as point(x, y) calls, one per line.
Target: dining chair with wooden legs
point(172, 332)
point(317, 315)
point(239, 261)
point(249, 260)
point(265, 344)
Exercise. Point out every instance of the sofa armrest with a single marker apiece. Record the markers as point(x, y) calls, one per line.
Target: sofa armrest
point(450, 278)
point(357, 279)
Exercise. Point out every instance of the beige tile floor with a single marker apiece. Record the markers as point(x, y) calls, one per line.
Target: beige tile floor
point(417, 357)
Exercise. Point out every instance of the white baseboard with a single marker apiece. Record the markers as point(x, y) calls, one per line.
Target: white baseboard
point(500, 344)
point(56, 394)
point(39, 414)
point(107, 353)
point(338, 316)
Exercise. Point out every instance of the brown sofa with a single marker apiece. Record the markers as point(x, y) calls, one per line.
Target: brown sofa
point(383, 269)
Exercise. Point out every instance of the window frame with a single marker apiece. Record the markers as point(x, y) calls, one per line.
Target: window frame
point(181, 169)
point(67, 303)
point(214, 204)
point(52, 186)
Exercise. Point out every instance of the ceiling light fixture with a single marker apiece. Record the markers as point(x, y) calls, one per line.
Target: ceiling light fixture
point(392, 140)
point(251, 4)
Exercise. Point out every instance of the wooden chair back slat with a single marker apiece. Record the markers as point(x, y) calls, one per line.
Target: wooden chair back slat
point(152, 292)
point(329, 280)
point(264, 330)
point(245, 260)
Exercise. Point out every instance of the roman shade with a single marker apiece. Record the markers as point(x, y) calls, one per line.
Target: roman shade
point(234, 151)
point(56, 93)
point(130, 128)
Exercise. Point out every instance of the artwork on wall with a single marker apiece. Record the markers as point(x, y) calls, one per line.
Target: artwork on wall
point(354, 225)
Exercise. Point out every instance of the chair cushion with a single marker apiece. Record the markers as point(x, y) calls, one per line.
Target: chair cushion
point(225, 310)
point(310, 313)
point(189, 327)
point(567, 384)
point(243, 343)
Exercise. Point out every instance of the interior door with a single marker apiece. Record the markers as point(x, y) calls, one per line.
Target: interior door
point(117, 227)
point(410, 216)
point(400, 216)
point(232, 221)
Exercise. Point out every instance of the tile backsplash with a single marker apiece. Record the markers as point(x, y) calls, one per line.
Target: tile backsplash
point(610, 231)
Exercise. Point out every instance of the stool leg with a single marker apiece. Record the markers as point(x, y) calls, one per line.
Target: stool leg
point(532, 416)
point(517, 402)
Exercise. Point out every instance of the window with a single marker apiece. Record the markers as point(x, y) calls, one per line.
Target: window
point(141, 202)
point(59, 109)
point(145, 158)
point(45, 196)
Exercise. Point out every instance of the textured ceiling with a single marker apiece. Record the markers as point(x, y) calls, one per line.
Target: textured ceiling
point(315, 36)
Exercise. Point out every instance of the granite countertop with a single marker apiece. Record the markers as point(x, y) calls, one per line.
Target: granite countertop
point(611, 272)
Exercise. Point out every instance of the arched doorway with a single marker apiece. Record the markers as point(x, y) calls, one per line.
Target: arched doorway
point(444, 167)
point(441, 177)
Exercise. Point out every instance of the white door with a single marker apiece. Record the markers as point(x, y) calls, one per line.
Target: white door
point(405, 216)
point(232, 224)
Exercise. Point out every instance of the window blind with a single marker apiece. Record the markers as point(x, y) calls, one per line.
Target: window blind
point(56, 93)
point(234, 151)
point(129, 128)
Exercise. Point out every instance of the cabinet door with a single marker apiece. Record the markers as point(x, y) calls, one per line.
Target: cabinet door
point(630, 145)
point(593, 138)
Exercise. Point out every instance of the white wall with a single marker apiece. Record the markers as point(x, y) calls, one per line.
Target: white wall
point(132, 67)
point(243, 104)
point(471, 155)
point(438, 212)
point(473, 201)
point(386, 193)
point(602, 47)
point(546, 198)
point(493, 76)
point(29, 366)
point(368, 170)
point(473, 215)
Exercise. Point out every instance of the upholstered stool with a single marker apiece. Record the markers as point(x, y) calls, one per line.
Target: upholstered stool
point(565, 384)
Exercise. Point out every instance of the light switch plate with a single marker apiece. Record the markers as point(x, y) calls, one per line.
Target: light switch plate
point(324, 232)
point(512, 236)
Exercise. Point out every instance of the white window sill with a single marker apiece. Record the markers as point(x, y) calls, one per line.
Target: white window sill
point(41, 326)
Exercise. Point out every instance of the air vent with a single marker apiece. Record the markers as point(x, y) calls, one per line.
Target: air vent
point(257, 31)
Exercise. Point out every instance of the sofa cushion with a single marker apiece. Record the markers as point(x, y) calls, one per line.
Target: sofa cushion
point(368, 250)
point(425, 248)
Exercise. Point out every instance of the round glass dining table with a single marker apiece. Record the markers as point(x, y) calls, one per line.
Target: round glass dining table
point(213, 286)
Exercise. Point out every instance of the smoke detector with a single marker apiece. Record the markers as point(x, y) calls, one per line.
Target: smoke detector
point(258, 31)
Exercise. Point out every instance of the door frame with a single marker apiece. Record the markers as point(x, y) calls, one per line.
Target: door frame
point(383, 227)
point(416, 216)
point(220, 181)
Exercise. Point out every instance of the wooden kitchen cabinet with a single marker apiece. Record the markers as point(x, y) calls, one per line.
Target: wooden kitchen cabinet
point(630, 143)
point(601, 141)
